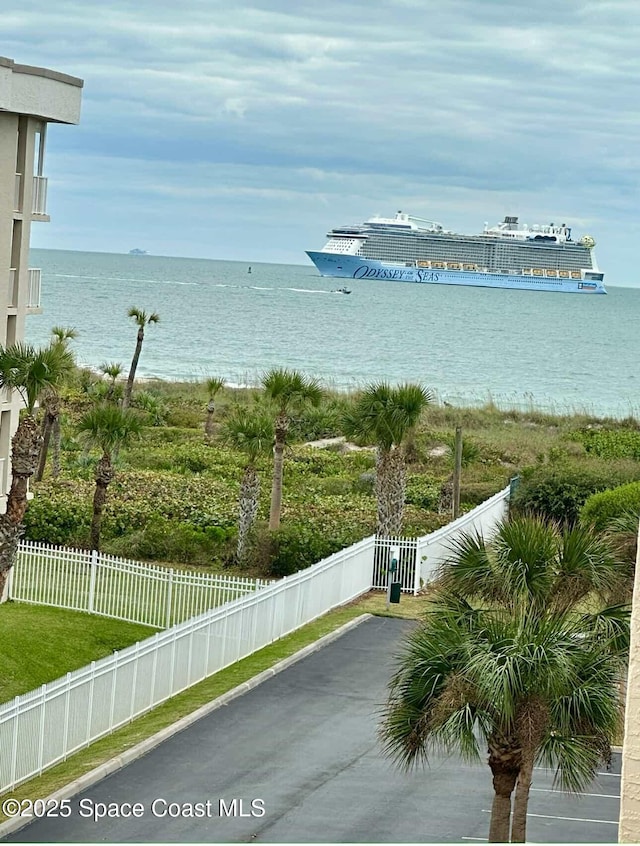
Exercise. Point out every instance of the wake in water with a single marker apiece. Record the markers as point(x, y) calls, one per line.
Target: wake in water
point(275, 288)
point(120, 279)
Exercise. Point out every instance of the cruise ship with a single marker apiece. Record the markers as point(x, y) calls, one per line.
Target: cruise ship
point(510, 255)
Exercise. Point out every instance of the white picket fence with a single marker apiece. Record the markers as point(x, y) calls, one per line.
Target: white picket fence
point(419, 558)
point(80, 580)
point(434, 548)
point(45, 726)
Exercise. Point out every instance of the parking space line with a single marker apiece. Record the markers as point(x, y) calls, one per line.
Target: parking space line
point(570, 819)
point(575, 795)
point(551, 772)
point(573, 819)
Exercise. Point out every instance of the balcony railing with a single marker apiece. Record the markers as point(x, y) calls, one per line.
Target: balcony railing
point(39, 202)
point(34, 276)
point(17, 202)
point(39, 195)
point(13, 288)
point(33, 293)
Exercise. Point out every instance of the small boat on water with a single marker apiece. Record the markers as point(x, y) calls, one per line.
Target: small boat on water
point(341, 291)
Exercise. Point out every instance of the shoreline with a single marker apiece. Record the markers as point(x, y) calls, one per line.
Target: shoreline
point(524, 403)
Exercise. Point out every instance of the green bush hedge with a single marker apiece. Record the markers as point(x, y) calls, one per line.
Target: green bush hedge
point(166, 540)
point(559, 492)
point(60, 512)
point(601, 508)
point(423, 492)
point(610, 443)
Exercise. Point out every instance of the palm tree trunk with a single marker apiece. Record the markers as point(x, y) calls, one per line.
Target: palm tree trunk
point(47, 425)
point(55, 448)
point(249, 495)
point(104, 475)
point(25, 450)
point(521, 802)
point(501, 809)
point(390, 491)
point(208, 425)
point(126, 399)
point(281, 428)
point(504, 760)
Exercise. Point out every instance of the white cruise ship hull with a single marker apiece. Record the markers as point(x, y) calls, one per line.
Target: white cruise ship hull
point(355, 267)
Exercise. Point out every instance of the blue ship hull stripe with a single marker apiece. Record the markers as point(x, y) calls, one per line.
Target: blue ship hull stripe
point(355, 267)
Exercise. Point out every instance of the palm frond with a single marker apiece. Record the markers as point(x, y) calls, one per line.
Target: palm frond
point(249, 430)
point(108, 427)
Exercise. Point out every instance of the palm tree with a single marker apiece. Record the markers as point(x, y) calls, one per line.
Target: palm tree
point(523, 685)
point(112, 369)
point(288, 390)
point(30, 371)
point(212, 386)
point(539, 577)
point(555, 570)
point(50, 402)
point(386, 415)
point(141, 319)
point(252, 433)
point(108, 427)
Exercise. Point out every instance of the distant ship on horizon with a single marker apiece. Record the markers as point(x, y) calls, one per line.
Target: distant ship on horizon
point(138, 252)
point(510, 255)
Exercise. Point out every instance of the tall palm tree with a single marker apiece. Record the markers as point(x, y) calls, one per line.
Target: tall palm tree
point(252, 433)
point(108, 427)
point(30, 371)
point(142, 319)
point(523, 685)
point(50, 402)
point(386, 415)
point(554, 570)
point(539, 577)
point(212, 385)
point(288, 390)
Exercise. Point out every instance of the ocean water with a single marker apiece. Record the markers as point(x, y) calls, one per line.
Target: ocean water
point(561, 352)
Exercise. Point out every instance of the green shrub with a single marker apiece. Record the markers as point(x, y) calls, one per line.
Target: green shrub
point(166, 540)
point(423, 492)
point(365, 483)
point(61, 511)
point(475, 493)
point(601, 508)
point(62, 517)
point(610, 443)
point(559, 492)
point(335, 486)
point(298, 546)
point(313, 423)
point(470, 449)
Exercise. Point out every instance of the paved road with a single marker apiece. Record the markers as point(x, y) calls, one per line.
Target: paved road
point(303, 747)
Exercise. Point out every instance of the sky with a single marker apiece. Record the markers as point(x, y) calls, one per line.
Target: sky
point(246, 130)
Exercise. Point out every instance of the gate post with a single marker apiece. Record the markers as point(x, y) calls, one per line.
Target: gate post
point(93, 565)
point(416, 569)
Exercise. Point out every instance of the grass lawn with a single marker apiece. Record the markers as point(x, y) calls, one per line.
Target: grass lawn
point(176, 707)
point(41, 644)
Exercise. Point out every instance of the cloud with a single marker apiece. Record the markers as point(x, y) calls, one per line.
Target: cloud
point(306, 115)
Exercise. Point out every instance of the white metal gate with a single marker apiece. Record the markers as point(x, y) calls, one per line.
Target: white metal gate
point(408, 573)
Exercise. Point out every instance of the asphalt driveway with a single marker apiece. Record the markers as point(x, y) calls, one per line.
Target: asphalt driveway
point(297, 760)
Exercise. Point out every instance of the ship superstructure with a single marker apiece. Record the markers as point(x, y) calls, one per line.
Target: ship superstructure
point(509, 255)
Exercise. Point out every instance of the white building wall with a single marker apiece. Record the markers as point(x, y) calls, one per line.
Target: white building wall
point(629, 830)
point(30, 97)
